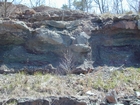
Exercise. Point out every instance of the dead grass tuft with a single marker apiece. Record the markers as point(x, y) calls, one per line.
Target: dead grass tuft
point(21, 85)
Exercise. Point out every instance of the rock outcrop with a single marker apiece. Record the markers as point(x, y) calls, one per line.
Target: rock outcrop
point(86, 67)
point(40, 37)
point(24, 46)
point(45, 101)
point(69, 101)
point(116, 42)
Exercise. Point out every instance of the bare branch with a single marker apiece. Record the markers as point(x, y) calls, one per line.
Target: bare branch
point(67, 63)
point(135, 5)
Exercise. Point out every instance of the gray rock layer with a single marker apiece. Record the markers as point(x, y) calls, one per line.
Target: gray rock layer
point(113, 41)
point(45, 101)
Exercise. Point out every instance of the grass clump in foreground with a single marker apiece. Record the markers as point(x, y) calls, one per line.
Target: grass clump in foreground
point(22, 85)
point(129, 77)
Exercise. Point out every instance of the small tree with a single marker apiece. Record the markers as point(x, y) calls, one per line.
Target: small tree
point(65, 7)
point(83, 5)
point(88, 4)
point(4, 7)
point(69, 4)
point(67, 63)
point(117, 6)
point(102, 5)
point(139, 7)
point(134, 5)
point(78, 5)
point(36, 3)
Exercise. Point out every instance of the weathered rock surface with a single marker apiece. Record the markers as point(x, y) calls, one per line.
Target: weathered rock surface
point(22, 46)
point(116, 46)
point(41, 35)
point(13, 32)
point(69, 101)
point(46, 101)
point(137, 94)
point(58, 15)
point(84, 68)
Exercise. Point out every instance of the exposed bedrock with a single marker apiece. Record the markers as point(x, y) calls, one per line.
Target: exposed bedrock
point(21, 46)
point(112, 41)
point(47, 101)
point(116, 41)
point(116, 47)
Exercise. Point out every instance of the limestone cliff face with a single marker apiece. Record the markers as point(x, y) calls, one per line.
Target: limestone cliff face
point(42, 38)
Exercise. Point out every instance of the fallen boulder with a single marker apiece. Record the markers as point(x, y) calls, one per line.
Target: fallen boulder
point(84, 68)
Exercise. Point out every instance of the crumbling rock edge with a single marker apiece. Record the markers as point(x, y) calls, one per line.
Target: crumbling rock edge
point(86, 100)
point(33, 39)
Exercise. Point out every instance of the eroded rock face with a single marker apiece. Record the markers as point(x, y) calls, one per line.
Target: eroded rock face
point(116, 47)
point(125, 25)
point(22, 46)
point(116, 42)
point(13, 32)
point(59, 15)
point(46, 101)
point(113, 41)
point(83, 100)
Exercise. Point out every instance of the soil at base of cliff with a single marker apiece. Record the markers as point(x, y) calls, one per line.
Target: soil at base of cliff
point(96, 86)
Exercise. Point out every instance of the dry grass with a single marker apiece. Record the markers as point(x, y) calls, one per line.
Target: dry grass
point(21, 85)
point(107, 15)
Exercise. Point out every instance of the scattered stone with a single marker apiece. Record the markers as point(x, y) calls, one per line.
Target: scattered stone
point(137, 94)
point(50, 68)
point(135, 102)
point(57, 24)
point(86, 67)
point(90, 93)
point(46, 101)
point(111, 97)
point(127, 101)
point(5, 70)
